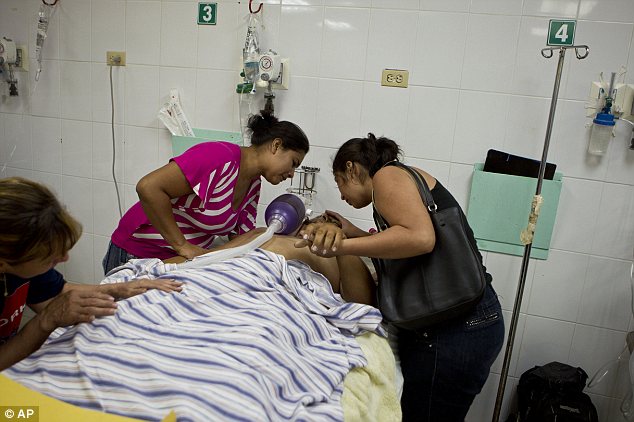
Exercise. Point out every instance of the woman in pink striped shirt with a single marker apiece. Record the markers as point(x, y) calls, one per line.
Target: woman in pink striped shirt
point(211, 189)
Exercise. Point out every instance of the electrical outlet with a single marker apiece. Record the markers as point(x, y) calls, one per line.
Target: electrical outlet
point(395, 77)
point(115, 58)
point(21, 58)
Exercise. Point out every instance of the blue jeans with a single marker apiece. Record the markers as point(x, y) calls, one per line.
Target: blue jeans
point(445, 366)
point(115, 256)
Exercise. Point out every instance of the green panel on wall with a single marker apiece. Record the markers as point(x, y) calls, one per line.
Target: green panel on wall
point(498, 211)
point(182, 143)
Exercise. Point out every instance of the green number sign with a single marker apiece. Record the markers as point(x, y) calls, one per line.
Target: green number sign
point(207, 13)
point(561, 32)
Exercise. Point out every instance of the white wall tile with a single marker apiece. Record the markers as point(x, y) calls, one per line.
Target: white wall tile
point(614, 229)
point(79, 268)
point(392, 35)
point(574, 213)
point(17, 133)
point(431, 122)
point(107, 28)
point(47, 138)
point(102, 98)
point(440, 49)
point(299, 105)
point(489, 58)
point(179, 34)
point(610, 10)
point(143, 32)
point(459, 184)
point(395, 4)
point(551, 8)
point(13, 20)
point(526, 126)
point(343, 51)
point(534, 74)
point(141, 95)
point(46, 93)
point(445, 5)
point(76, 148)
point(594, 347)
point(302, 51)
point(384, 111)
point(75, 30)
point(165, 152)
point(77, 196)
point(100, 246)
point(215, 99)
point(351, 3)
point(476, 130)
point(606, 299)
point(557, 285)
point(620, 157)
point(545, 340)
point(338, 112)
point(218, 45)
point(140, 152)
point(102, 151)
point(105, 208)
point(438, 169)
point(497, 7)
point(51, 181)
point(76, 91)
point(610, 45)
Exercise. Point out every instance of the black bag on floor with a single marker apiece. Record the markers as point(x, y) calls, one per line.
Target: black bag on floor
point(554, 392)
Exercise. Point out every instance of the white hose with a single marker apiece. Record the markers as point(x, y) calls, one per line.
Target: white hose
point(215, 256)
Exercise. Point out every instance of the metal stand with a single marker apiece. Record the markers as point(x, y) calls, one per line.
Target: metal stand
point(547, 53)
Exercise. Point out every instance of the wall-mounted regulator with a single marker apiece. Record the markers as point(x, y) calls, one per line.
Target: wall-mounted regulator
point(8, 60)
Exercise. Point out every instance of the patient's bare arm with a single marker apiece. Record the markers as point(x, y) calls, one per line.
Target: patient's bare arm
point(347, 275)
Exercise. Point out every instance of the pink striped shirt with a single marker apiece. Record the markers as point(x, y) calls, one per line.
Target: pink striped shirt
point(211, 168)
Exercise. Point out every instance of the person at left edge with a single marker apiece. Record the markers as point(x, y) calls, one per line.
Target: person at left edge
point(211, 189)
point(36, 233)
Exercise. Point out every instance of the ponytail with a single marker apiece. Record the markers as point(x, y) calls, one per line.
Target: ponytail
point(265, 128)
point(371, 153)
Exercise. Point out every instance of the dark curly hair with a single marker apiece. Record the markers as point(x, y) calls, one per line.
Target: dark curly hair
point(265, 128)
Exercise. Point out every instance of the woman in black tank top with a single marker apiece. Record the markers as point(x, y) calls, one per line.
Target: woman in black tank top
point(444, 366)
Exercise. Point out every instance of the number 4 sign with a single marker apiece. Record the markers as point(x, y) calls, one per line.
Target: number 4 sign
point(561, 32)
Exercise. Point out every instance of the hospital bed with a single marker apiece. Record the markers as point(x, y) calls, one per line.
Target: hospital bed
point(253, 338)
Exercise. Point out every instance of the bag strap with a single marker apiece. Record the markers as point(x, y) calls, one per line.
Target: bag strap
point(423, 188)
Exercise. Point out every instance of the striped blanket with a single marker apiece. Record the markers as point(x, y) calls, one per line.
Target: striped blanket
point(255, 338)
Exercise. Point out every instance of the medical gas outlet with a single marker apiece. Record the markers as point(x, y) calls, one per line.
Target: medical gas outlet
point(8, 62)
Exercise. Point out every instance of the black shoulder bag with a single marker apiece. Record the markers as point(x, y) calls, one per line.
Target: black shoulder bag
point(437, 286)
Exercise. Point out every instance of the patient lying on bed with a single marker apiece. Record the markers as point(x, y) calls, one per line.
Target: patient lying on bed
point(258, 337)
point(348, 275)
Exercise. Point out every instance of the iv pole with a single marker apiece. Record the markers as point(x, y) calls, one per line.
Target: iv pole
point(527, 234)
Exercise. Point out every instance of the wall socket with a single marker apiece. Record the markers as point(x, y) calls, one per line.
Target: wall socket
point(395, 77)
point(115, 58)
point(21, 58)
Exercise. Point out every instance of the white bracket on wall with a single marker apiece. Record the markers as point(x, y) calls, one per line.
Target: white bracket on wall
point(622, 103)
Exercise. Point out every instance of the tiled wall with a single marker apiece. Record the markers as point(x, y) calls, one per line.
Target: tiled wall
point(477, 81)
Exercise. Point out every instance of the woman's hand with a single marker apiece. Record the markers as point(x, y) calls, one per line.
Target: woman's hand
point(189, 251)
point(349, 229)
point(323, 238)
point(141, 285)
point(75, 306)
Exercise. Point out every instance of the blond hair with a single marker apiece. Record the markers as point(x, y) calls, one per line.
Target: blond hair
point(33, 224)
